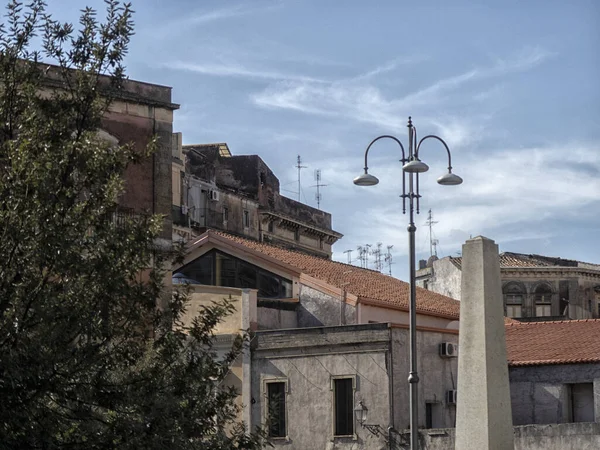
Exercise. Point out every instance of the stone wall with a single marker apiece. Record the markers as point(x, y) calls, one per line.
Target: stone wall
point(436, 376)
point(308, 360)
point(443, 277)
point(566, 436)
point(317, 309)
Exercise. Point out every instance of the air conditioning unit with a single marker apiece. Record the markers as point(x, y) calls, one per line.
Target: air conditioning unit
point(448, 350)
point(214, 195)
point(451, 397)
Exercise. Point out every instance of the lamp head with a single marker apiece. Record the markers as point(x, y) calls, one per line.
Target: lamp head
point(415, 166)
point(360, 412)
point(366, 179)
point(449, 179)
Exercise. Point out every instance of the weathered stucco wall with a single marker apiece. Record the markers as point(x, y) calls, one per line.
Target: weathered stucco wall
point(370, 313)
point(567, 436)
point(244, 301)
point(436, 374)
point(317, 309)
point(273, 317)
point(542, 394)
point(308, 360)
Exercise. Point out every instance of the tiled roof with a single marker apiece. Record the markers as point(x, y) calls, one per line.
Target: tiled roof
point(367, 284)
point(560, 342)
point(509, 259)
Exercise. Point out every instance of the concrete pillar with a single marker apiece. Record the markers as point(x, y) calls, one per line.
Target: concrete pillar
point(483, 410)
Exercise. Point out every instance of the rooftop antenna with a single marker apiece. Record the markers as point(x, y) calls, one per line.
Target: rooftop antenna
point(318, 195)
point(299, 166)
point(366, 251)
point(432, 242)
point(377, 254)
point(388, 259)
point(349, 253)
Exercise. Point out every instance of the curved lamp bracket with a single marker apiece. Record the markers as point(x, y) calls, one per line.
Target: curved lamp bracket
point(381, 137)
point(443, 143)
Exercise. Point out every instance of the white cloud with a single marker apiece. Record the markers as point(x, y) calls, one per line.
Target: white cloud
point(236, 70)
point(510, 195)
point(359, 100)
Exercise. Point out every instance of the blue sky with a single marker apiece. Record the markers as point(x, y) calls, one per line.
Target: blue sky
point(511, 86)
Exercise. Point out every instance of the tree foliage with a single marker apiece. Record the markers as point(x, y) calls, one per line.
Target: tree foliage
point(87, 356)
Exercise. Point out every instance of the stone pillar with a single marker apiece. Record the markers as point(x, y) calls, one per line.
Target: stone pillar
point(483, 410)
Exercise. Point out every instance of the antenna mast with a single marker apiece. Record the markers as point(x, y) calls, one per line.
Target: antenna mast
point(299, 166)
point(318, 195)
point(432, 242)
point(388, 259)
point(377, 254)
point(349, 253)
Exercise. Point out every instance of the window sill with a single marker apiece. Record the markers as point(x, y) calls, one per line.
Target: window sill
point(346, 437)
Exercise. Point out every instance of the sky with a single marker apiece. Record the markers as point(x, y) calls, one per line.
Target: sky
point(512, 87)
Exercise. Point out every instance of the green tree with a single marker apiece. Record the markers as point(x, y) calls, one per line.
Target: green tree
point(93, 352)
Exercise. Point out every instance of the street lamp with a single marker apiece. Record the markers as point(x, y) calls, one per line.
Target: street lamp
point(412, 166)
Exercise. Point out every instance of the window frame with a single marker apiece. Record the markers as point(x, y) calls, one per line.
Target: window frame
point(513, 295)
point(333, 380)
point(225, 212)
point(246, 218)
point(543, 299)
point(265, 412)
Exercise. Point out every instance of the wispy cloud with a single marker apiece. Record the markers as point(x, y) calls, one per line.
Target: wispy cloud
point(365, 102)
point(219, 14)
point(203, 17)
point(238, 70)
point(510, 195)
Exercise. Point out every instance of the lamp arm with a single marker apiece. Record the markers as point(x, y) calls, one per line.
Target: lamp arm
point(443, 143)
point(381, 137)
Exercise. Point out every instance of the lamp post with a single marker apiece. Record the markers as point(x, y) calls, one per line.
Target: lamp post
point(413, 166)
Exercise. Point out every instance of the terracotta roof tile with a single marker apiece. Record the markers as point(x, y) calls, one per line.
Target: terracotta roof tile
point(367, 284)
point(509, 259)
point(559, 342)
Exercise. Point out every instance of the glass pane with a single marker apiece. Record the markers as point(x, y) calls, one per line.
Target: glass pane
point(286, 288)
point(276, 394)
point(344, 425)
point(542, 311)
point(225, 270)
point(268, 285)
point(514, 299)
point(246, 275)
point(198, 271)
point(513, 311)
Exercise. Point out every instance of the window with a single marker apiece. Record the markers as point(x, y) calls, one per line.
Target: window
point(543, 300)
point(225, 214)
point(321, 243)
point(246, 219)
point(271, 226)
point(276, 413)
point(582, 402)
point(297, 234)
point(513, 299)
point(219, 269)
point(343, 406)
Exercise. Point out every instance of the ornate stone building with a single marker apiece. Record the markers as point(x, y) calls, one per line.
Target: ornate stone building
point(240, 195)
point(534, 287)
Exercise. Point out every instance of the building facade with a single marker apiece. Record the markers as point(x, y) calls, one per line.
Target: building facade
point(534, 287)
point(240, 195)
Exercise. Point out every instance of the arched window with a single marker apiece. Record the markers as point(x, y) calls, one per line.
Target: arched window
point(542, 297)
point(514, 294)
